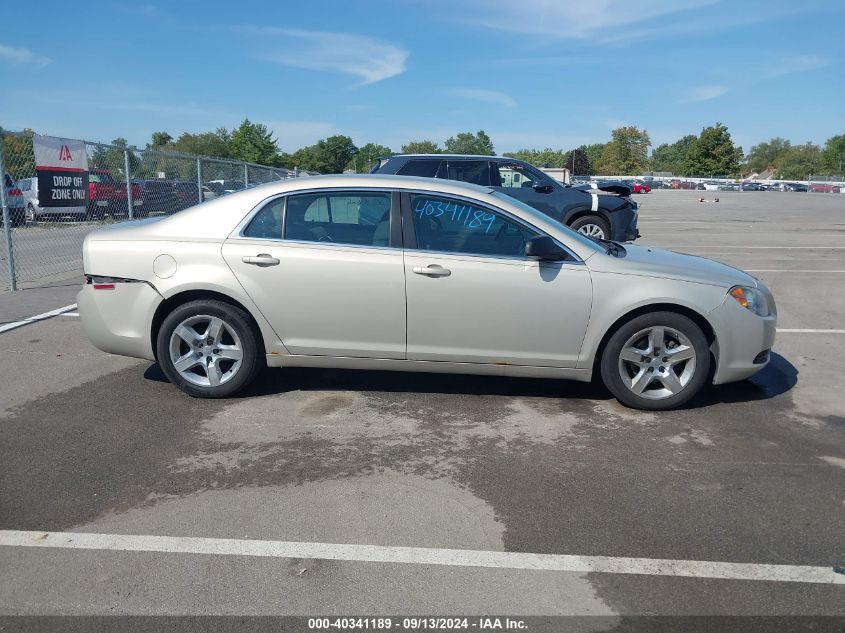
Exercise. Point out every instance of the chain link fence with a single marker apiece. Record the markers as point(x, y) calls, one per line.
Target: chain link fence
point(43, 245)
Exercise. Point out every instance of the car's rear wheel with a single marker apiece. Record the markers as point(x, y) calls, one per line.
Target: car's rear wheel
point(592, 226)
point(656, 361)
point(209, 349)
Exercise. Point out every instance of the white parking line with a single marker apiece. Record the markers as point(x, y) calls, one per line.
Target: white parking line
point(790, 270)
point(70, 314)
point(423, 556)
point(37, 317)
point(808, 331)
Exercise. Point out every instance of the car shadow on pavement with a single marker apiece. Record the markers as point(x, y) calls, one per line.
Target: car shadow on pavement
point(778, 377)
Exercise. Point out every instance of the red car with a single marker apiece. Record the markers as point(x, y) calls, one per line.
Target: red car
point(641, 187)
point(823, 187)
point(106, 195)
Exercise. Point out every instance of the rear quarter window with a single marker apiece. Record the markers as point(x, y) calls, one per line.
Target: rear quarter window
point(422, 168)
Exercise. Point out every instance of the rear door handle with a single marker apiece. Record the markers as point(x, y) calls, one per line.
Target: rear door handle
point(432, 270)
point(262, 259)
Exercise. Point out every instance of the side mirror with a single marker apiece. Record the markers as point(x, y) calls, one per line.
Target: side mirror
point(544, 187)
point(545, 248)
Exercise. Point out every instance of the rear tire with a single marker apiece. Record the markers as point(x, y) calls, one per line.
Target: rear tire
point(592, 226)
point(656, 361)
point(209, 348)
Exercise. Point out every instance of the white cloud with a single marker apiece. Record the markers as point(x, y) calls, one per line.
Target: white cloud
point(796, 64)
point(292, 135)
point(705, 93)
point(22, 56)
point(565, 19)
point(371, 60)
point(486, 96)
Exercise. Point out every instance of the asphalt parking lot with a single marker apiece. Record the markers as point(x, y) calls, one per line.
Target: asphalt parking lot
point(749, 473)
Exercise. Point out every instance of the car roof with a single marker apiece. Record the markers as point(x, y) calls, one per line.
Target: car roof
point(459, 156)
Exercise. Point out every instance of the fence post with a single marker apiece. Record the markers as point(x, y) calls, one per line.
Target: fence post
point(199, 180)
point(246, 175)
point(7, 221)
point(131, 206)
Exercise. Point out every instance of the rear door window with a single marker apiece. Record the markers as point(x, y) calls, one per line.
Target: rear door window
point(357, 218)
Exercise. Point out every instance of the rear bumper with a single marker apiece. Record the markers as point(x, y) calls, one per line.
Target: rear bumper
point(744, 340)
point(119, 321)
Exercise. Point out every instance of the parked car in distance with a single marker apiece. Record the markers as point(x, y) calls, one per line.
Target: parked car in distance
point(795, 186)
point(412, 274)
point(823, 187)
point(163, 196)
point(599, 214)
point(750, 186)
point(106, 196)
point(658, 184)
point(227, 186)
point(640, 186)
point(14, 201)
point(728, 186)
point(34, 213)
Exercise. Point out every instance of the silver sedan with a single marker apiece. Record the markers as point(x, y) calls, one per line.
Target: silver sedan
point(411, 274)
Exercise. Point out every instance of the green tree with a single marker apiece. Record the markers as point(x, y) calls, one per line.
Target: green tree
point(766, 155)
point(214, 144)
point(112, 160)
point(799, 162)
point(253, 143)
point(421, 147)
point(18, 154)
point(713, 154)
point(328, 156)
point(366, 157)
point(670, 158)
point(159, 140)
point(627, 152)
point(577, 162)
point(593, 153)
point(833, 155)
point(541, 157)
point(469, 143)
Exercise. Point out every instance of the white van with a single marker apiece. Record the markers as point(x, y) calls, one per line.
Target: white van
point(33, 212)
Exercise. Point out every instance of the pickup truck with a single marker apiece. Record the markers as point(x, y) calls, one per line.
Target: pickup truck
point(107, 196)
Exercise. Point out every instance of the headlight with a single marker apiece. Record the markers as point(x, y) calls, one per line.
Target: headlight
point(750, 298)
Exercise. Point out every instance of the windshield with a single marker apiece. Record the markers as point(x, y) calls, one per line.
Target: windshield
point(531, 212)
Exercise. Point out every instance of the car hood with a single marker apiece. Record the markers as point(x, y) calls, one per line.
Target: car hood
point(656, 262)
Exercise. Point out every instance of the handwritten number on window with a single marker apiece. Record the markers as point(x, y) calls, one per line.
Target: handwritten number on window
point(464, 215)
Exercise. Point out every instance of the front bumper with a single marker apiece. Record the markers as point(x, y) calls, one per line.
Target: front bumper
point(119, 321)
point(744, 340)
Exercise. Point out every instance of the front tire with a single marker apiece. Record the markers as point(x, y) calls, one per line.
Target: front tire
point(656, 361)
point(592, 226)
point(209, 349)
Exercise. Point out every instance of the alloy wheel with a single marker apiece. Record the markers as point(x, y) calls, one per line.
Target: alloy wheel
point(592, 230)
point(657, 362)
point(206, 350)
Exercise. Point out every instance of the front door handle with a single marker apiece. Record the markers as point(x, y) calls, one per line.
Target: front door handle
point(432, 270)
point(262, 259)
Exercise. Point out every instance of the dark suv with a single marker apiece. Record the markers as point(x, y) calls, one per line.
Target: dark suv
point(596, 214)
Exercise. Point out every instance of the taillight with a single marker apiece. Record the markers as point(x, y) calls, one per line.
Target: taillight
point(14, 191)
point(103, 286)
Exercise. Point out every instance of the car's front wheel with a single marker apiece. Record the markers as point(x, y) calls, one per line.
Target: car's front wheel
point(592, 226)
point(209, 349)
point(656, 361)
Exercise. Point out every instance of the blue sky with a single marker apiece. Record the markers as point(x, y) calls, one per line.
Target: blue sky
point(532, 73)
